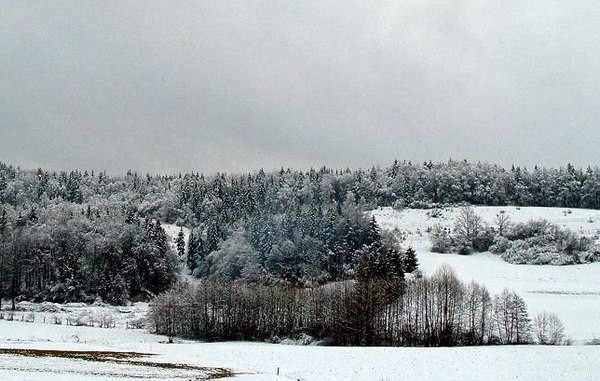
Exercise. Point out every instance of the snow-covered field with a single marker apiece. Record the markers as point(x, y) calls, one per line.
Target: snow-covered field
point(572, 292)
point(256, 361)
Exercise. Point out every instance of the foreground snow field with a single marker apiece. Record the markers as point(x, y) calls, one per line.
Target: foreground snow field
point(572, 292)
point(256, 361)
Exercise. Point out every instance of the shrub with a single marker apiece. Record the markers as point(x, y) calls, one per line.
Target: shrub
point(399, 205)
point(435, 213)
point(441, 242)
point(543, 243)
point(500, 245)
point(524, 230)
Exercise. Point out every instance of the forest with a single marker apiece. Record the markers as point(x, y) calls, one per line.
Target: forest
point(80, 235)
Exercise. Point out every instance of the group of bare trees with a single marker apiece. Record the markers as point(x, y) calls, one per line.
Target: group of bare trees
point(436, 310)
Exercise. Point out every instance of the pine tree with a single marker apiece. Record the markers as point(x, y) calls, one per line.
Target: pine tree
point(3, 220)
point(213, 237)
point(180, 242)
point(196, 250)
point(373, 237)
point(409, 260)
point(191, 252)
point(73, 189)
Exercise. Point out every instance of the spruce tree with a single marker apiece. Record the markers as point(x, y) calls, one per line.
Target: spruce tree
point(409, 260)
point(180, 242)
point(373, 233)
point(191, 252)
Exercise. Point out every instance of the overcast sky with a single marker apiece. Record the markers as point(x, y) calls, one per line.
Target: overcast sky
point(237, 85)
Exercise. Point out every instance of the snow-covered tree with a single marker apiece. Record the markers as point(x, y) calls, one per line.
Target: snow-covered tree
point(548, 329)
point(180, 243)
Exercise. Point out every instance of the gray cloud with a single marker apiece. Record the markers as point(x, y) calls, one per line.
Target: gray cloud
point(237, 85)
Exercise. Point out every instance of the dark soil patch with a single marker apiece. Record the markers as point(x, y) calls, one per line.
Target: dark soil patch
point(133, 358)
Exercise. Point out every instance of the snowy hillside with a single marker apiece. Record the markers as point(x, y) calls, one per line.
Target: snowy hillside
point(572, 292)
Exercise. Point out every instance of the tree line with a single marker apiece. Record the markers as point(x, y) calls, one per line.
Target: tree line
point(435, 310)
point(292, 225)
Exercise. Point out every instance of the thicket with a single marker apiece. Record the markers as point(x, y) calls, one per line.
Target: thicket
point(532, 242)
point(540, 242)
point(436, 310)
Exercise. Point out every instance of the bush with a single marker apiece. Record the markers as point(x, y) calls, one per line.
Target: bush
point(399, 205)
point(524, 230)
point(523, 252)
point(441, 242)
point(470, 234)
point(590, 256)
point(542, 243)
point(500, 245)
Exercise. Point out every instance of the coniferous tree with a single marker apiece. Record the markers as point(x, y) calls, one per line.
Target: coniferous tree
point(409, 260)
point(180, 243)
point(373, 236)
point(191, 259)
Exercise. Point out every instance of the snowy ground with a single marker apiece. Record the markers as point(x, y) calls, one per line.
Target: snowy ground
point(256, 361)
point(173, 231)
point(573, 292)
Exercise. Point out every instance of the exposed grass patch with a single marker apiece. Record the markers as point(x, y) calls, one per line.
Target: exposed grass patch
point(131, 358)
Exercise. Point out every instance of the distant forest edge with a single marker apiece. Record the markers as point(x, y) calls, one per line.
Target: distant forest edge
point(74, 236)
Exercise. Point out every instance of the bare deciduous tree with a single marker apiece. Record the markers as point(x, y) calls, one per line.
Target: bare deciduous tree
point(513, 325)
point(548, 329)
point(502, 222)
point(468, 228)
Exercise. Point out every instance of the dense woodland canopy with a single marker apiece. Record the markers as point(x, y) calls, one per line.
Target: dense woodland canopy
point(78, 235)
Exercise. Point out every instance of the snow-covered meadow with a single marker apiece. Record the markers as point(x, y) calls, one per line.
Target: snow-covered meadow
point(258, 361)
point(572, 292)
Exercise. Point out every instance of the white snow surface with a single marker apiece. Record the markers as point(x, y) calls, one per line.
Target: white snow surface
point(572, 292)
point(172, 232)
point(257, 361)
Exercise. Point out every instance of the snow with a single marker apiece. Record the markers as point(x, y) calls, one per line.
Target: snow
point(347, 363)
point(80, 314)
point(172, 232)
point(572, 292)
point(259, 361)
